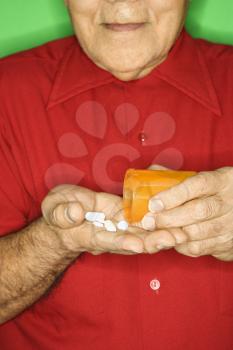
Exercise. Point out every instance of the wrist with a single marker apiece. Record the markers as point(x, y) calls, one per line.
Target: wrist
point(62, 240)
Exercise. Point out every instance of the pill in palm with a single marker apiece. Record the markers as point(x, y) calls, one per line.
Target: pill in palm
point(109, 226)
point(101, 219)
point(98, 224)
point(95, 216)
point(98, 220)
point(122, 225)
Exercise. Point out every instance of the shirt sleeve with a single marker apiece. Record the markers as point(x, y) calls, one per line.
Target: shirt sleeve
point(14, 199)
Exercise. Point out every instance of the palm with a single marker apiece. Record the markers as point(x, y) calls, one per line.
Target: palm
point(110, 205)
point(88, 237)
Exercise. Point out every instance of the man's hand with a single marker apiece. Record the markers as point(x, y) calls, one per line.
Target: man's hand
point(64, 209)
point(195, 217)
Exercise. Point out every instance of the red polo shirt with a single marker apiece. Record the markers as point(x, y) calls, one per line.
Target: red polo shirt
point(64, 120)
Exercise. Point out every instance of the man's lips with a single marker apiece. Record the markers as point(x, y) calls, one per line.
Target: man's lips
point(123, 27)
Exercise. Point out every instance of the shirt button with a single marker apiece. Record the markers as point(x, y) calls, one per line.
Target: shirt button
point(142, 137)
point(155, 284)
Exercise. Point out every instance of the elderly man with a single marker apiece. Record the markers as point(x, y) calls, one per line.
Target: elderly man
point(130, 89)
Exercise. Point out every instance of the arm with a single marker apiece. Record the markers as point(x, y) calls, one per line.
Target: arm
point(33, 258)
point(30, 262)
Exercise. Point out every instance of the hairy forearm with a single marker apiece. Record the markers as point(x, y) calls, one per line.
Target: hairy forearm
point(30, 262)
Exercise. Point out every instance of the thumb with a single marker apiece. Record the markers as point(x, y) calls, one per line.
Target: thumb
point(66, 215)
point(158, 205)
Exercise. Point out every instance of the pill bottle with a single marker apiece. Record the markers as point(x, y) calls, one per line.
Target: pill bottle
point(140, 185)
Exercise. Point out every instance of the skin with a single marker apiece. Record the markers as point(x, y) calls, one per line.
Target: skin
point(194, 217)
point(64, 209)
point(204, 224)
point(197, 217)
point(34, 259)
point(132, 55)
point(127, 55)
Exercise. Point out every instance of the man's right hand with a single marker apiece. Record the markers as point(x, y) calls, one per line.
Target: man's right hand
point(64, 210)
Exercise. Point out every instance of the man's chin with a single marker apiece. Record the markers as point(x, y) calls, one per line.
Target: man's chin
point(125, 76)
point(124, 71)
point(129, 72)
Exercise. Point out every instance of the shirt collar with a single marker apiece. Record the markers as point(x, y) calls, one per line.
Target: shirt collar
point(185, 69)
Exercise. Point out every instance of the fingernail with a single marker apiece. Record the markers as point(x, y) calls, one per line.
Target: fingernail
point(155, 205)
point(133, 247)
point(160, 247)
point(67, 216)
point(73, 213)
point(164, 246)
point(148, 222)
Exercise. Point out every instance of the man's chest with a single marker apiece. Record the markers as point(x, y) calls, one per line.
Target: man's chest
point(94, 137)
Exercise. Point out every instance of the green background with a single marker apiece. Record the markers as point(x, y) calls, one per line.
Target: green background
point(28, 23)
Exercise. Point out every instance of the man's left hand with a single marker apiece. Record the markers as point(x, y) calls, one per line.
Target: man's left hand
point(195, 217)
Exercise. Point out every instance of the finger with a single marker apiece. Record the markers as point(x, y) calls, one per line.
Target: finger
point(195, 211)
point(135, 229)
point(108, 203)
point(111, 241)
point(179, 235)
point(119, 215)
point(65, 194)
point(121, 252)
point(212, 246)
point(202, 184)
point(207, 229)
point(158, 240)
point(66, 215)
point(225, 256)
point(72, 193)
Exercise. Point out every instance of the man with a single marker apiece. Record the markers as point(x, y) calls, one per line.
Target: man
point(134, 90)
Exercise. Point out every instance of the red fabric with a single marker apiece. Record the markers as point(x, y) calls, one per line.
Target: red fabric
point(64, 120)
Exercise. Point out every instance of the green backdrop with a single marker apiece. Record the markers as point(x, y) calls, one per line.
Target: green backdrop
point(28, 23)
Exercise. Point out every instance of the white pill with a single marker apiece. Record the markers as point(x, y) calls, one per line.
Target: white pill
point(109, 226)
point(98, 224)
point(101, 219)
point(95, 216)
point(122, 225)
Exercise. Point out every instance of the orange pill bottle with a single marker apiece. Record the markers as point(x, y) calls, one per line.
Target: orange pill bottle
point(141, 185)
